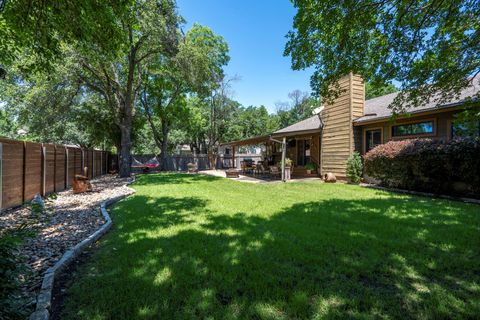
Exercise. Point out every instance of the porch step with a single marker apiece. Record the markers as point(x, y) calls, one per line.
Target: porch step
point(302, 172)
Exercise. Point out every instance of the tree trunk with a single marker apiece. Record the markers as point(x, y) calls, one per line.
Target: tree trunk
point(125, 160)
point(164, 147)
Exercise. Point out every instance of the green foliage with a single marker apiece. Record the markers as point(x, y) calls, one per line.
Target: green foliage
point(311, 166)
point(428, 165)
point(12, 301)
point(41, 26)
point(247, 122)
point(299, 107)
point(372, 90)
point(467, 122)
point(193, 70)
point(431, 47)
point(354, 168)
point(55, 108)
point(8, 124)
point(288, 162)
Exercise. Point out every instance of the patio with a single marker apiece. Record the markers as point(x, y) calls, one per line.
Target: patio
point(255, 178)
point(292, 151)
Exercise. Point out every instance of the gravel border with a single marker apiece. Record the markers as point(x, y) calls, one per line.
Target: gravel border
point(422, 194)
point(44, 298)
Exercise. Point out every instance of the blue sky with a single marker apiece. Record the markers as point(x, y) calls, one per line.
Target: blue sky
point(255, 32)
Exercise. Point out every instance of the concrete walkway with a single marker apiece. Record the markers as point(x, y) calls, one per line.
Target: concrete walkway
point(249, 179)
point(242, 178)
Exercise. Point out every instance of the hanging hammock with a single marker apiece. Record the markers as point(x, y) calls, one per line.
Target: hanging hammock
point(152, 163)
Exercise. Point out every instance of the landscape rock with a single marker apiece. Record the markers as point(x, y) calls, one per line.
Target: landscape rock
point(67, 219)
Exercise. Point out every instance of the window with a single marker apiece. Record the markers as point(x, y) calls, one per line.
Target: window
point(372, 139)
point(465, 130)
point(413, 129)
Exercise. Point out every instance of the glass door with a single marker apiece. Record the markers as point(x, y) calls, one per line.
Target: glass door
point(300, 152)
point(303, 152)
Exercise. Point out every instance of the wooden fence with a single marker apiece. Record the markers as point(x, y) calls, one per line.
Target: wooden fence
point(28, 168)
point(179, 162)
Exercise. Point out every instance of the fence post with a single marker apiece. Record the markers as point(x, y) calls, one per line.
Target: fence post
point(24, 179)
point(1, 176)
point(55, 168)
point(66, 167)
point(83, 163)
point(93, 163)
point(101, 163)
point(44, 169)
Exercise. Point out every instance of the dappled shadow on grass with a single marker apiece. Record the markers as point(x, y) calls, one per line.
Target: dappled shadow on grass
point(174, 258)
point(172, 178)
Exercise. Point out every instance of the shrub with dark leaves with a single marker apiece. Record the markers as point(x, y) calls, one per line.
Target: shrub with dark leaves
point(12, 301)
point(428, 165)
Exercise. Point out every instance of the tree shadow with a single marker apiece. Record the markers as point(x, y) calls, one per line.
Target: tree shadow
point(377, 258)
point(173, 178)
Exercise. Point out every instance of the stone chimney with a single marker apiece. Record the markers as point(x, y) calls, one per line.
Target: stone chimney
point(338, 138)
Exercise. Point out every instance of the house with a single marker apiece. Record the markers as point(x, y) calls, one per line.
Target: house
point(350, 124)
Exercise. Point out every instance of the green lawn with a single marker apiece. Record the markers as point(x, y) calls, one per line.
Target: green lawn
point(198, 247)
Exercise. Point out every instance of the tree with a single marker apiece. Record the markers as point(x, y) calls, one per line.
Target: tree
point(41, 26)
point(149, 30)
point(431, 47)
point(194, 69)
point(299, 107)
point(250, 122)
point(210, 119)
point(371, 91)
point(54, 107)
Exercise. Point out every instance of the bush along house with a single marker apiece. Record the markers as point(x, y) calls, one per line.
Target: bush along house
point(350, 124)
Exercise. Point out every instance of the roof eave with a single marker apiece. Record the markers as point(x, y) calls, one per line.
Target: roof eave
point(444, 108)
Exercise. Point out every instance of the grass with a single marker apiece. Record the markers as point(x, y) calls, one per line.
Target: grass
point(198, 247)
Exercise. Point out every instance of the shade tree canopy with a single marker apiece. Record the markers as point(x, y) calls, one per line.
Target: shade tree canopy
point(432, 48)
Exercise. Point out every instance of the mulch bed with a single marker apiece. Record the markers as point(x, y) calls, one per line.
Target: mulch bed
point(68, 219)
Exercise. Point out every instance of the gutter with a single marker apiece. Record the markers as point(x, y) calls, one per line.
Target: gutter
point(446, 108)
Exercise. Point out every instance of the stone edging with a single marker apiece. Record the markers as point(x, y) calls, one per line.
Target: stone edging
point(422, 194)
point(44, 298)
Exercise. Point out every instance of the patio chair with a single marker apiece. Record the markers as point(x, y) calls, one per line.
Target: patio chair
point(274, 172)
point(249, 168)
point(260, 169)
point(243, 166)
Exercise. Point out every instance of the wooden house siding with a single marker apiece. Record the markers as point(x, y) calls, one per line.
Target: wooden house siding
point(338, 141)
point(442, 120)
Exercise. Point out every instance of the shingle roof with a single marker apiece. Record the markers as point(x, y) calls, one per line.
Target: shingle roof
point(377, 108)
point(312, 123)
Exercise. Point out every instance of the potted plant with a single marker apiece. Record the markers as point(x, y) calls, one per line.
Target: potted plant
point(192, 167)
point(288, 168)
point(311, 166)
point(288, 163)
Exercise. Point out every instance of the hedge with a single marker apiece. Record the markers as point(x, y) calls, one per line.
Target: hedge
point(451, 168)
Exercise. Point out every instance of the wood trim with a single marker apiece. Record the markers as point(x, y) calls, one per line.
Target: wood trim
point(350, 128)
point(1, 176)
point(364, 137)
point(427, 135)
point(24, 182)
point(449, 129)
point(411, 115)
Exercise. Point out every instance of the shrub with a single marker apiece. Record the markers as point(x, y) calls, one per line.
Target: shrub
point(12, 301)
point(311, 166)
point(428, 165)
point(354, 168)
